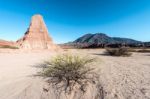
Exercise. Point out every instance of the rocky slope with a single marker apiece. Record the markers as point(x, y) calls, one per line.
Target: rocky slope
point(6, 43)
point(147, 44)
point(102, 40)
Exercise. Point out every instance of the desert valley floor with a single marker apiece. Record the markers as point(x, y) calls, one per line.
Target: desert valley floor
point(121, 77)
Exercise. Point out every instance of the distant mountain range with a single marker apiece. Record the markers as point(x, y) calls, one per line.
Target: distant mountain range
point(95, 41)
point(6, 43)
point(103, 40)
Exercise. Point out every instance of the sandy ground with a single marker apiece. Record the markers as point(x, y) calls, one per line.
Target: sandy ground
point(121, 77)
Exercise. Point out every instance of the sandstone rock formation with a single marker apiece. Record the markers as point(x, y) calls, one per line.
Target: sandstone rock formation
point(36, 37)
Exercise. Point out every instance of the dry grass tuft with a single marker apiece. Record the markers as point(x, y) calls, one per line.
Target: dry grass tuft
point(118, 52)
point(67, 72)
point(9, 47)
point(144, 51)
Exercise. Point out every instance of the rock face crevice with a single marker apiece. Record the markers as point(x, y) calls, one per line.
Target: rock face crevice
point(36, 37)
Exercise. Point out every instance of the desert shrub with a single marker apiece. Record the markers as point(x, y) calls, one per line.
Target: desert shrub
point(118, 52)
point(66, 72)
point(132, 50)
point(65, 50)
point(144, 51)
point(9, 47)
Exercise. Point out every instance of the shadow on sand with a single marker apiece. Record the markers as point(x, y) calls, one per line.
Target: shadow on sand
point(100, 54)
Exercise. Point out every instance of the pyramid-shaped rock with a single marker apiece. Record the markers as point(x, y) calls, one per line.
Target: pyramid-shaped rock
point(37, 36)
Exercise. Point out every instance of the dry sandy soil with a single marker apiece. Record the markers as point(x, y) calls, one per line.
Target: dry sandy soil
point(121, 77)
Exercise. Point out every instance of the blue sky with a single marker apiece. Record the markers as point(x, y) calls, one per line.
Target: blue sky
point(69, 19)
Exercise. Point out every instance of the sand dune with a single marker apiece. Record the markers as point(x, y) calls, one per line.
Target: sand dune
point(121, 77)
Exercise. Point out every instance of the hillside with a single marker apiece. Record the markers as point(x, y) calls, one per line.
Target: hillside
point(103, 40)
point(6, 43)
point(100, 38)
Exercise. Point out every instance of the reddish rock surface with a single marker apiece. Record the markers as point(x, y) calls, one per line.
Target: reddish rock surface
point(36, 37)
point(6, 43)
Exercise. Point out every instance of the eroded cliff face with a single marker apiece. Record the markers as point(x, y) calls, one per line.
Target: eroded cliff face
point(36, 37)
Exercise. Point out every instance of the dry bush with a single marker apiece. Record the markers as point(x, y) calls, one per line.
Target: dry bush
point(144, 51)
point(9, 47)
point(65, 50)
point(65, 72)
point(132, 50)
point(118, 52)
